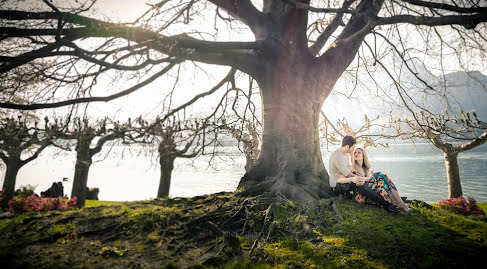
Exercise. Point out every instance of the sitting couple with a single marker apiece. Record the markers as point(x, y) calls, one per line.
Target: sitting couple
point(359, 178)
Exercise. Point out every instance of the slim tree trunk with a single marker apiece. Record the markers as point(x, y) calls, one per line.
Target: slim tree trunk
point(453, 175)
point(167, 165)
point(81, 170)
point(13, 167)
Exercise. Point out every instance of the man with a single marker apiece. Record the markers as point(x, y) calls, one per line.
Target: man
point(342, 180)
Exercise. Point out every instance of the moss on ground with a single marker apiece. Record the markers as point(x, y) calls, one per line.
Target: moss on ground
point(226, 231)
point(95, 203)
point(483, 206)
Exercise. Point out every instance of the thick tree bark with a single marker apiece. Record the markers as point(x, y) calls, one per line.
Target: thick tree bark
point(294, 85)
point(81, 170)
point(167, 165)
point(453, 175)
point(13, 167)
point(290, 161)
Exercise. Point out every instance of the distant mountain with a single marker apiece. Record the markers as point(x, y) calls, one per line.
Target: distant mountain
point(459, 90)
point(468, 90)
point(464, 90)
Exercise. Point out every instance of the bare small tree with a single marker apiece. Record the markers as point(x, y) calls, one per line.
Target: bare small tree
point(20, 137)
point(175, 139)
point(452, 134)
point(250, 138)
point(84, 132)
point(370, 133)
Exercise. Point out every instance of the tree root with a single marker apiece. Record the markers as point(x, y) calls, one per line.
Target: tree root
point(337, 212)
point(205, 229)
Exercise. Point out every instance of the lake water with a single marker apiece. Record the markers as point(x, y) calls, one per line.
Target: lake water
point(417, 170)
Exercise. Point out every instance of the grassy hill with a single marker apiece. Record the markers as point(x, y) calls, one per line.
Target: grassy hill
point(226, 231)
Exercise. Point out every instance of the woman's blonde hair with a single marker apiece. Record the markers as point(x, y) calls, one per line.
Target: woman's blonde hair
point(365, 164)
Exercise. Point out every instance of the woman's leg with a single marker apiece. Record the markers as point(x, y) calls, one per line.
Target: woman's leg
point(398, 201)
point(372, 195)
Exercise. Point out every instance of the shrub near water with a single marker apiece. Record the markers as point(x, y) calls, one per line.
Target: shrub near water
point(21, 204)
point(463, 205)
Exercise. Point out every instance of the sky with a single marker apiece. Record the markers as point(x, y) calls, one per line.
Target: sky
point(148, 100)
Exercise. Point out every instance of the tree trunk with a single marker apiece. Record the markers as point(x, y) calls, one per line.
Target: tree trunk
point(290, 161)
point(453, 175)
point(81, 170)
point(13, 167)
point(294, 85)
point(167, 165)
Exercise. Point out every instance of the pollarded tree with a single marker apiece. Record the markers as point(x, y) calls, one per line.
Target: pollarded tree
point(84, 133)
point(299, 49)
point(372, 132)
point(426, 106)
point(20, 138)
point(452, 134)
point(249, 136)
point(175, 139)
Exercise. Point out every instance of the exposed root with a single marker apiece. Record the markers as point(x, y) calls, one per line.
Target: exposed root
point(302, 188)
point(204, 228)
point(337, 212)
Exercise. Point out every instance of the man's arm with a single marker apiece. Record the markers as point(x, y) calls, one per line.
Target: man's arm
point(345, 179)
point(359, 181)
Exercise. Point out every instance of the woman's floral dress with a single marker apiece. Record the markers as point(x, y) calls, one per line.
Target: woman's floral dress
point(379, 183)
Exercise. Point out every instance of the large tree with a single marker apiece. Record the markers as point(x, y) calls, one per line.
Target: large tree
point(299, 50)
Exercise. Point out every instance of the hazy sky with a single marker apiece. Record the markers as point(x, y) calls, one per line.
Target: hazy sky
point(192, 81)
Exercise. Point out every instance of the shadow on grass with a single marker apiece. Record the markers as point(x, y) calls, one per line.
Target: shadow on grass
point(158, 233)
point(426, 238)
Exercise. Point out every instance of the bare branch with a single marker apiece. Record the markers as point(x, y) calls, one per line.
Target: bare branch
point(104, 139)
point(304, 6)
point(443, 6)
point(352, 36)
point(89, 99)
point(198, 96)
point(467, 21)
point(176, 45)
point(474, 143)
point(244, 11)
point(9, 63)
point(330, 29)
point(36, 154)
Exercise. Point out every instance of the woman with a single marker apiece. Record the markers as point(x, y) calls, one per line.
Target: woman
point(378, 181)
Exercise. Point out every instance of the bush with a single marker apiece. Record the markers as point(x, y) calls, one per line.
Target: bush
point(464, 205)
point(21, 204)
point(25, 191)
point(1, 198)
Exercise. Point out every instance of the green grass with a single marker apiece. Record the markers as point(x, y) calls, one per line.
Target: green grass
point(166, 233)
point(94, 203)
point(369, 237)
point(424, 238)
point(483, 206)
